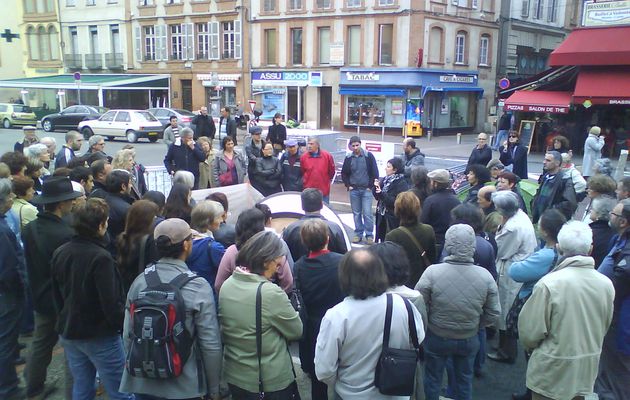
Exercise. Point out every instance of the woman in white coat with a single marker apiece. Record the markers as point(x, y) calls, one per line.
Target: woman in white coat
point(516, 240)
point(592, 150)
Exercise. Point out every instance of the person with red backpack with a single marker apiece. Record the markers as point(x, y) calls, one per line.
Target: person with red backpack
point(171, 333)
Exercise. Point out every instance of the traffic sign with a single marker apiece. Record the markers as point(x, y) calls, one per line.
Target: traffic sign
point(252, 105)
point(77, 76)
point(504, 83)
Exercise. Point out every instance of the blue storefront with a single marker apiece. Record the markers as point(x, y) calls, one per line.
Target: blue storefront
point(445, 101)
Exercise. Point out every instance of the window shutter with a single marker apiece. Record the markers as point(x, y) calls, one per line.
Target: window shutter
point(138, 41)
point(157, 33)
point(163, 48)
point(237, 39)
point(191, 41)
point(525, 9)
point(214, 40)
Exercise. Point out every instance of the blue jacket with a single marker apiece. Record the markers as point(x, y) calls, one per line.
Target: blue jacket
point(12, 268)
point(184, 158)
point(531, 269)
point(205, 258)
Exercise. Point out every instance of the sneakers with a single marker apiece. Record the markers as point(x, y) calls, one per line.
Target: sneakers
point(357, 239)
point(370, 240)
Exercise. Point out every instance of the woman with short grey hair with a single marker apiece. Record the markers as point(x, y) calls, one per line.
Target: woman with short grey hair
point(516, 240)
point(249, 289)
point(185, 177)
point(206, 254)
point(602, 233)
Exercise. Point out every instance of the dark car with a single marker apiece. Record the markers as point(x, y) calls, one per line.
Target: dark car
point(184, 117)
point(70, 117)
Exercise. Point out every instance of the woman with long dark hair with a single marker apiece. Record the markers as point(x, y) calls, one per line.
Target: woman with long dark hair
point(385, 191)
point(513, 154)
point(136, 247)
point(178, 203)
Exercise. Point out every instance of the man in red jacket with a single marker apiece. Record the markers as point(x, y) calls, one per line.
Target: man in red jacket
point(318, 168)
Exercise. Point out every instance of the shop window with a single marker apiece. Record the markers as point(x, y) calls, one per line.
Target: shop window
point(484, 46)
point(385, 44)
point(353, 3)
point(354, 45)
point(435, 45)
point(149, 43)
point(458, 111)
point(270, 47)
point(295, 5)
point(374, 111)
point(460, 48)
point(296, 46)
point(323, 34)
point(269, 6)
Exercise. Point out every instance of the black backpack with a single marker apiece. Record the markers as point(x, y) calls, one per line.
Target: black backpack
point(160, 343)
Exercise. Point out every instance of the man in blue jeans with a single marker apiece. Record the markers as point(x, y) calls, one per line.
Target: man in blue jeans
point(461, 298)
point(358, 174)
point(504, 126)
point(11, 298)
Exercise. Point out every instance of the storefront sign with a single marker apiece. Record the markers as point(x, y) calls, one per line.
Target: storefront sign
point(606, 13)
point(457, 79)
point(336, 54)
point(218, 77)
point(533, 108)
point(362, 76)
point(619, 101)
point(316, 79)
point(285, 78)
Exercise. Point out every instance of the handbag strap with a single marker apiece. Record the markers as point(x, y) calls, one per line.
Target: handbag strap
point(410, 320)
point(412, 325)
point(388, 321)
point(423, 253)
point(261, 391)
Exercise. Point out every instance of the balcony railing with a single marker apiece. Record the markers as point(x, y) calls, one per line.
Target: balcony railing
point(94, 61)
point(114, 60)
point(73, 61)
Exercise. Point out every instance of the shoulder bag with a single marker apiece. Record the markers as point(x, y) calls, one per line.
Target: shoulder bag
point(296, 298)
point(423, 253)
point(395, 373)
point(289, 393)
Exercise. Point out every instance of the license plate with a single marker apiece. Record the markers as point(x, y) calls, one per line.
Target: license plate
point(153, 133)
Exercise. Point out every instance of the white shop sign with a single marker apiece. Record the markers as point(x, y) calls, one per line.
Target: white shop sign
point(382, 151)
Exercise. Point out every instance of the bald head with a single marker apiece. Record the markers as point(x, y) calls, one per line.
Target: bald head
point(484, 196)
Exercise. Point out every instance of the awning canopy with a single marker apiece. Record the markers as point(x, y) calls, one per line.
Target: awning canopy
point(452, 89)
point(603, 85)
point(539, 101)
point(594, 46)
point(372, 91)
point(91, 81)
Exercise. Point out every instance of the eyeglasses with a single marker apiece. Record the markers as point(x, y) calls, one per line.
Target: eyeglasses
point(513, 136)
point(482, 139)
point(616, 215)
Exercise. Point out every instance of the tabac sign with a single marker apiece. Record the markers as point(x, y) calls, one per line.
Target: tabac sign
point(606, 13)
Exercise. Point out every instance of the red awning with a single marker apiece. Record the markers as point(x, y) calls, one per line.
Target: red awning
point(594, 46)
point(603, 85)
point(539, 101)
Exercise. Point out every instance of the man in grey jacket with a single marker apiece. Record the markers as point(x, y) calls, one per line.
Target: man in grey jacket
point(461, 299)
point(172, 131)
point(201, 372)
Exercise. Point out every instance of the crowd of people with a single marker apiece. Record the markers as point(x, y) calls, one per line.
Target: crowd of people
point(161, 298)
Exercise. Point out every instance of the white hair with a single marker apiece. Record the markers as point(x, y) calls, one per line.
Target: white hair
point(48, 140)
point(506, 203)
point(575, 238)
point(185, 177)
point(35, 150)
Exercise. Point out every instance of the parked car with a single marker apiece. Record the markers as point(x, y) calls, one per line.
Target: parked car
point(69, 117)
point(184, 117)
point(131, 124)
point(16, 114)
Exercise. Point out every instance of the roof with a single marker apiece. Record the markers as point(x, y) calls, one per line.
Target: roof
point(91, 81)
point(539, 101)
point(594, 46)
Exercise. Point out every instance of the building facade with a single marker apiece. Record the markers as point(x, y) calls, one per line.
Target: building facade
point(339, 64)
point(200, 44)
point(12, 41)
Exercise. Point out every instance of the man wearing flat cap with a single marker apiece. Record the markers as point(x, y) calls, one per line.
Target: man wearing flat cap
point(555, 190)
point(29, 138)
point(436, 210)
point(253, 150)
point(41, 238)
point(291, 171)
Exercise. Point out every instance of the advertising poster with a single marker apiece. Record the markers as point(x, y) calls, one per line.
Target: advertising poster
point(272, 103)
point(414, 110)
point(397, 107)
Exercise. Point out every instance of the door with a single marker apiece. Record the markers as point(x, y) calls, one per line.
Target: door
point(65, 117)
point(325, 107)
point(186, 94)
point(102, 126)
point(77, 116)
point(121, 124)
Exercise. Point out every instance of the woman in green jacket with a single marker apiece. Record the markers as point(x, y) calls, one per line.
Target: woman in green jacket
point(257, 261)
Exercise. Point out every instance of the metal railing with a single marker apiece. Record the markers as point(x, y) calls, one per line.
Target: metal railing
point(94, 61)
point(73, 61)
point(114, 60)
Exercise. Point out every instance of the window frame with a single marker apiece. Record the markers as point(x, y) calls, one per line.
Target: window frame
point(484, 59)
point(380, 45)
point(293, 52)
point(176, 40)
point(203, 40)
point(267, 51)
point(269, 6)
point(350, 28)
point(353, 3)
point(320, 45)
point(463, 36)
point(539, 9)
point(228, 53)
point(150, 40)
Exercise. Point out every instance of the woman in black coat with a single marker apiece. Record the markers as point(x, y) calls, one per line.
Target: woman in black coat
point(602, 233)
point(385, 191)
point(267, 174)
point(514, 154)
point(277, 134)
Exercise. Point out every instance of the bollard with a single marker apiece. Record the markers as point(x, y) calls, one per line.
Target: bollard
point(358, 130)
point(459, 138)
point(490, 138)
point(621, 164)
point(383, 133)
point(429, 135)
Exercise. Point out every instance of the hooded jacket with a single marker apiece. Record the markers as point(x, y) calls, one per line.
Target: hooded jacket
point(460, 297)
point(563, 323)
